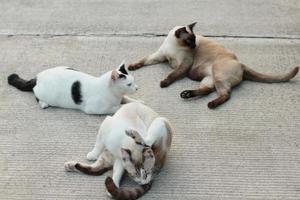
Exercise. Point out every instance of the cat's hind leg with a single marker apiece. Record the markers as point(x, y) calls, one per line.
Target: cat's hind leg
point(206, 87)
point(103, 164)
point(155, 58)
point(157, 131)
point(223, 91)
point(226, 74)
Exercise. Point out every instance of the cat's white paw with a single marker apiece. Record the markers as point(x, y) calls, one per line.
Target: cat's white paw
point(108, 194)
point(43, 105)
point(91, 156)
point(70, 166)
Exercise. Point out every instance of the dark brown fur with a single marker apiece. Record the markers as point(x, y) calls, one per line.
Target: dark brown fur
point(126, 193)
point(87, 169)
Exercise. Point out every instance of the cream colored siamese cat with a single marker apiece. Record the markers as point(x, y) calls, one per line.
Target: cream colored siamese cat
point(136, 140)
point(67, 88)
point(204, 60)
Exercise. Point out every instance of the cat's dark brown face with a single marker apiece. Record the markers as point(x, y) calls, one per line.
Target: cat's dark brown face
point(186, 36)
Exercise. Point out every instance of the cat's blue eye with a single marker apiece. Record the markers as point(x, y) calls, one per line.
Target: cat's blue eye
point(129, 84)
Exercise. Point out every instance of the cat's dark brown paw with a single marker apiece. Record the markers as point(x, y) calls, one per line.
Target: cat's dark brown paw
point(164, 83)
point(134, 66)
point(186, 94)
point(147, 187)
point(212, 105)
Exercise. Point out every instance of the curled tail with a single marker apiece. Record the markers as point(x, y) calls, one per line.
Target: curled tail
point(126, 193)
point(20, 83)
point(250, 74)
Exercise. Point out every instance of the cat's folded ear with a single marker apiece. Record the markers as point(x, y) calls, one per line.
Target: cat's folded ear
point(114, 75)
point(191, 26)
point(126, 153)
point(136, 137)
point(132, 133)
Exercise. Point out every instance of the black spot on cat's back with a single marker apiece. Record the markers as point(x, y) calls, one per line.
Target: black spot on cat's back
point(76, 92)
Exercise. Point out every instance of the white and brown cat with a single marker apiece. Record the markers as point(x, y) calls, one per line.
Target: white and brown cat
point(67, 88)
point(204, 60)
point(135, 140)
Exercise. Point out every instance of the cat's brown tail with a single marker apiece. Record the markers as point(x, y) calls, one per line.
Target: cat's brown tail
point(126, 193)
point(250, 74)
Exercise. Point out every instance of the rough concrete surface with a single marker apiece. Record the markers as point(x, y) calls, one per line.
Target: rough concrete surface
point(246, 149)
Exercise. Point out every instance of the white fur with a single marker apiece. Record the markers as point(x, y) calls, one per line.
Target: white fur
point(111, 135)
point(100, 95)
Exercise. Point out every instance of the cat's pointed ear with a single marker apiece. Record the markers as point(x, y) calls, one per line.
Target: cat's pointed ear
point(114, 75)
point(122, 69)
point(126, 153)
point(191, 26)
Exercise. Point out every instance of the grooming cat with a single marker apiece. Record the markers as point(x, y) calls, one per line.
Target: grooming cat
point(67, 88)
point(136, 140)
point(204, 60)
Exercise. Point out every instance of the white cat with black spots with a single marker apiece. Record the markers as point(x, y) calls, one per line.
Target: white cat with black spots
point(67, 88)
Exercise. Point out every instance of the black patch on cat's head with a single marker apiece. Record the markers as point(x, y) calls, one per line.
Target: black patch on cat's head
point(76, 92)
point(186, 38)
point(122, 76)
point(123, 70)
point(180, 31)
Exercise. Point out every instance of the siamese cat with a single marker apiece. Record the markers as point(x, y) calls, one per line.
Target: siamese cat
point(204, 60)
point(67, 88)
point(136, 140)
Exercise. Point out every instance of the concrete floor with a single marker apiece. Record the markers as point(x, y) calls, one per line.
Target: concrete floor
point(246, 149)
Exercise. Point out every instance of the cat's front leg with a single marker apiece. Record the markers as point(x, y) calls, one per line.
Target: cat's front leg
point(177, 73)
point(129, 100)
point(118, 171)
point(155, 58)
point(98, 148)
point(113, 109)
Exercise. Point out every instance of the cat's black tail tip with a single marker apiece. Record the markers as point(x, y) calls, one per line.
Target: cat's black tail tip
point(20, 83)
point(11, 78)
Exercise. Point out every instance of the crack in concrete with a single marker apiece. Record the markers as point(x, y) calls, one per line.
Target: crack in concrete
point(148, 35)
